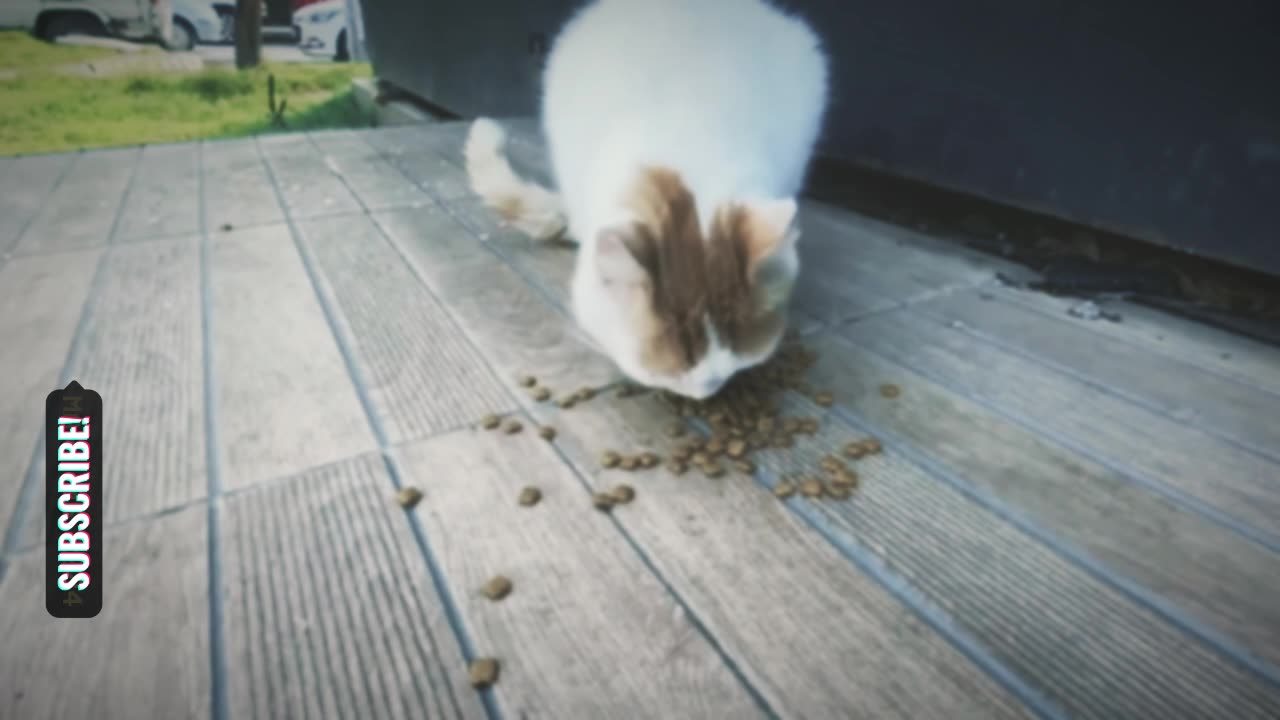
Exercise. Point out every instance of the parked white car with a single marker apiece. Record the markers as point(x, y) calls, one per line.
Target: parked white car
point(322, 29)
point(52, 19)
point(196, 21)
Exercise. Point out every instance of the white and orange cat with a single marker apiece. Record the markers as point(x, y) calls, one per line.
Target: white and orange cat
point(679, 134)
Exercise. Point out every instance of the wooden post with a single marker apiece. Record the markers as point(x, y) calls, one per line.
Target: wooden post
point(248, 33)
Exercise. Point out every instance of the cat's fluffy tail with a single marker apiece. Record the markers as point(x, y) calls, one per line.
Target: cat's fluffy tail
point(527, 206)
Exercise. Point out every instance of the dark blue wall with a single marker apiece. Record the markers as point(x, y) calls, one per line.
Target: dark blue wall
point(1159, 120)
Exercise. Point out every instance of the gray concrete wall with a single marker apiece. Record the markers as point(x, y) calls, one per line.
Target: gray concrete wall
point(1155, 119)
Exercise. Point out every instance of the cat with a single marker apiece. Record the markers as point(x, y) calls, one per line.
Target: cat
point(679, 135)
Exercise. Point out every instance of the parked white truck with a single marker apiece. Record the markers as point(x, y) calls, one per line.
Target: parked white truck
point(128, 19)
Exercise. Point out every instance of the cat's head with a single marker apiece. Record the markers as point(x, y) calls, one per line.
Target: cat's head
point(679, 307)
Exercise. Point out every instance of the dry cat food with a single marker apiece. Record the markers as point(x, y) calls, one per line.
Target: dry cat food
point(530, 496)
point(890, 391)
point(603, 501)
point(845, 478)
point(512, 427)
point(720, 434)
point(497, 588)
point(483, 672)
point(408, 497)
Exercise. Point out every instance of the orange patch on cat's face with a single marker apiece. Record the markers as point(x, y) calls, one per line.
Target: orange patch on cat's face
point(693, 279)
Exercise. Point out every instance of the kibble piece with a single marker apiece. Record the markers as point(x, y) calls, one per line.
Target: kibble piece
point(226, 227)
point(542, 394)
point(675, 429)
point(890, 391)
point(701, 458)
point(744, 466)
point(855, 450)
point(712, 470)
point(715, 446)
point(408, 497)
point(530, 496)
point(872, 445)
point(791, 425)
point(585, 394)
point(528, 381)
point(831, 462)
point(784, 489)
point(490, 422)
point(610, 459)
point(602, 501)
point(845, 478)
point(736, 448)
point(483, 672)
point(810, 488)
point(676, 466)
point(630, 462)
point(546, 432)
point(649, 460)
point(623, 494)
point(824, 399)
point(783, 441)
point(512, 427)
point(839, 492)
point(497, 588)
point(566, 402)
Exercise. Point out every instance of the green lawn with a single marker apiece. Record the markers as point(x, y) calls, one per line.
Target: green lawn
point(18, 50)
point(43, 112)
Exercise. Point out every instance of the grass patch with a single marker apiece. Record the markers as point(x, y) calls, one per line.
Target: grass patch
point(21, 51)
point(42, 112)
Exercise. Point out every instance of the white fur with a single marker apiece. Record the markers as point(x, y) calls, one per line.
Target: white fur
point(728, 93)
point(493, 179)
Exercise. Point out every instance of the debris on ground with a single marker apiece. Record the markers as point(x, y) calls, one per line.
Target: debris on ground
point(407, 497)
point(483, 672)
point(498, 587)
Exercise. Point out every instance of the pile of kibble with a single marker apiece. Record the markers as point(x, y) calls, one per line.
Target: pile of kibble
point(710, 437)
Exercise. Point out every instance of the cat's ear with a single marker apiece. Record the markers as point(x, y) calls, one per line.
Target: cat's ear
point(769, 236)
point(617, 259)
point(769, 231)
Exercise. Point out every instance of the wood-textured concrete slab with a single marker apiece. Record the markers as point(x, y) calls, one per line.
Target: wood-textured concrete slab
point(1070, 518)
